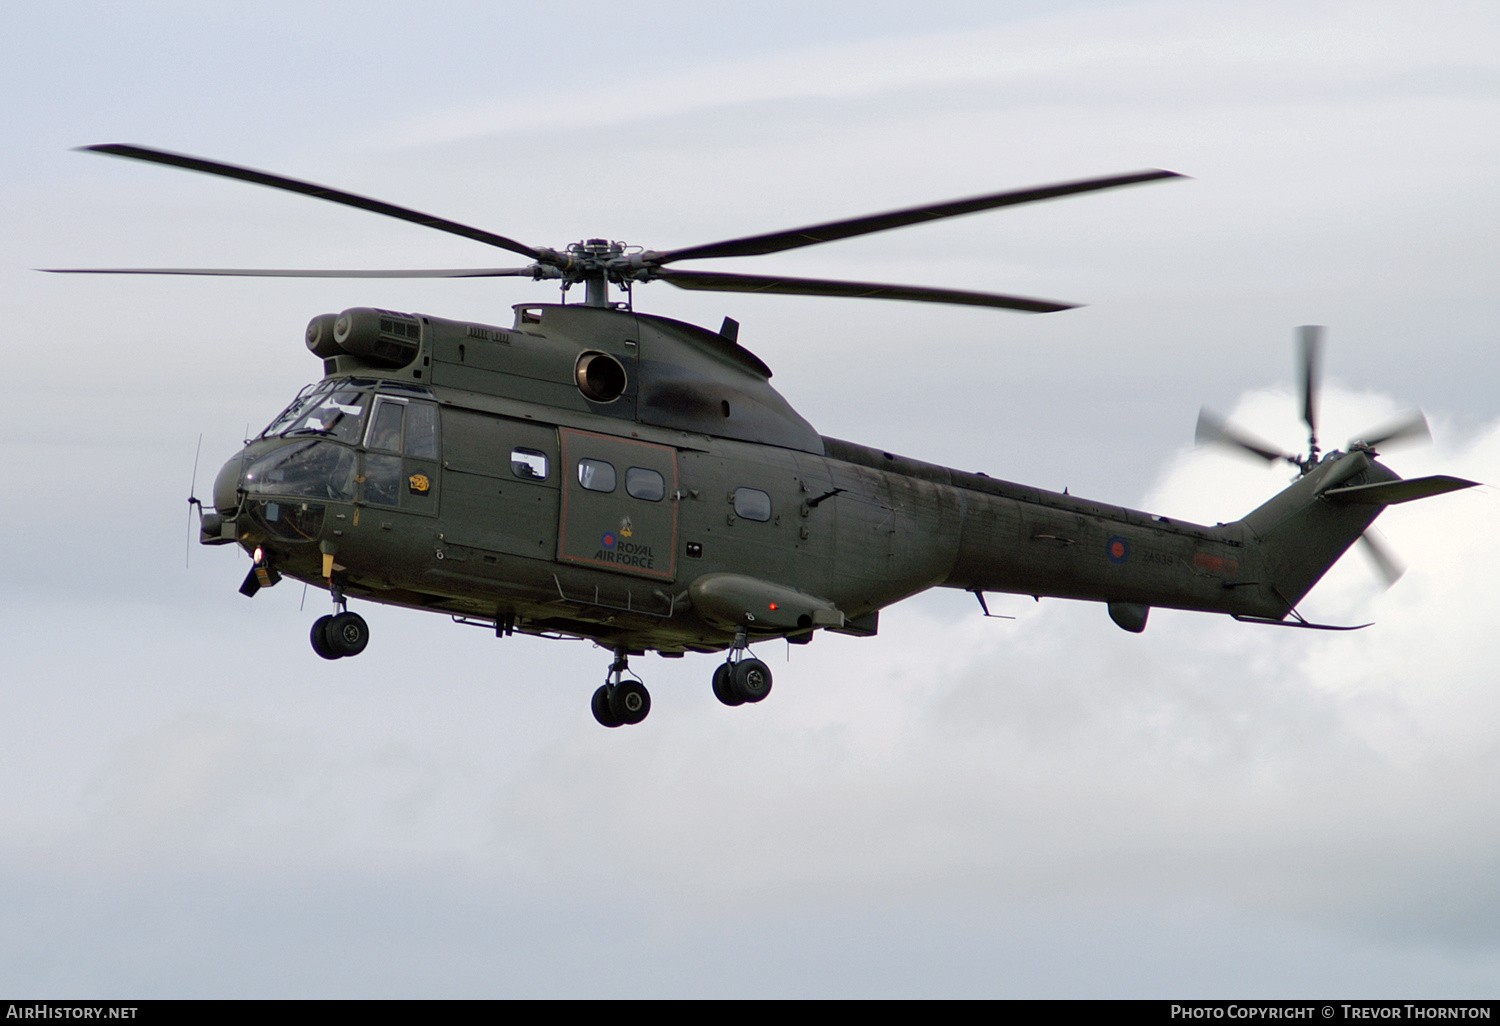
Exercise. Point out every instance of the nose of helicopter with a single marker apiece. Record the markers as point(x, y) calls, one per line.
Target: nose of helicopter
point(227, 486)
point(218, 527)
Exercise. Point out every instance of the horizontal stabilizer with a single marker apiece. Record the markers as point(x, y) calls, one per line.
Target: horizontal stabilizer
point(1388, 493)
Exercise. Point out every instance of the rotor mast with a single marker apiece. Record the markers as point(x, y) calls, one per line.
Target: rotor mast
point(589, 261)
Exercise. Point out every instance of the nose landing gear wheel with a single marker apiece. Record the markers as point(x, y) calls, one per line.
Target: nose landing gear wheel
point(319, 638)
point(334, 637)
point(348, 634)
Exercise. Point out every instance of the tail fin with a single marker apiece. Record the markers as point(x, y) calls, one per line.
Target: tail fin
point(1303, 531)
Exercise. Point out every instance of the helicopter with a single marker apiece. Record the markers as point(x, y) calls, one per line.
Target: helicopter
point(592, 471)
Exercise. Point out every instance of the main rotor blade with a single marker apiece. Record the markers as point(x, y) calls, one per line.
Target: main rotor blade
point(1213, 430)
point(1411, 426)
point(794, 238)
point(1386, 562)
point(247, 272)
point(711, 281)
point(348, 199)
point(1310, 351)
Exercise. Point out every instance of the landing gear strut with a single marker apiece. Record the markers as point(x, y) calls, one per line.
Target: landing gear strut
point(740, 679)
point(620, 701)
point(341, 634)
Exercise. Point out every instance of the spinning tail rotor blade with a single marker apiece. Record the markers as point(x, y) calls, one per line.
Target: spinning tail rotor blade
point(348, 199)
point(1409, 427)
point(1310, 351)
point(1386, 563)
point(1213, 430)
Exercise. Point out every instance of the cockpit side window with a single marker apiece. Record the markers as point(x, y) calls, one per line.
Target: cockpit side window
point(385, 425)
point(382, 480)
point(421, 431)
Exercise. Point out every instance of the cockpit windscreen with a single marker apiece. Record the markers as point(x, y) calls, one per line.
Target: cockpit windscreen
point(328, 409)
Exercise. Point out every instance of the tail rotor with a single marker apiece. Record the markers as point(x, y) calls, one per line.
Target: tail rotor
point(1406, 428)
point(1387, 564)
point(1214, 430)
point(1409, 427)
point(1310, 351)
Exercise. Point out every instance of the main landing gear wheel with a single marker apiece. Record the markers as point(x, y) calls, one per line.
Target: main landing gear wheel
point(741, 678)
point(751, 680)
point(724, 685)
point(620, 702)
point(602, 712)
point(630, 701)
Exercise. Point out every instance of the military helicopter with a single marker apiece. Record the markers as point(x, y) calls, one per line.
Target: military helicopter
point(590, 471)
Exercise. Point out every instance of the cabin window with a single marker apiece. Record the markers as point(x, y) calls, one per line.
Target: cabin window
point(645, 484)
point(421, 431)
point(385, 426)
point(752, 504)
point(596, 475)
point(529, 464)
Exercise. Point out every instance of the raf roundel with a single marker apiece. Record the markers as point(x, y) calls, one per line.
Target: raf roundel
point(607, 539)
point(1118, 550)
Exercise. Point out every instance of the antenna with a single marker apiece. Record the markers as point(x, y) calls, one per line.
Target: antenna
point(187, 554)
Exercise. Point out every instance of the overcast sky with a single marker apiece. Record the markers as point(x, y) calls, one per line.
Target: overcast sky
point(193, 804)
